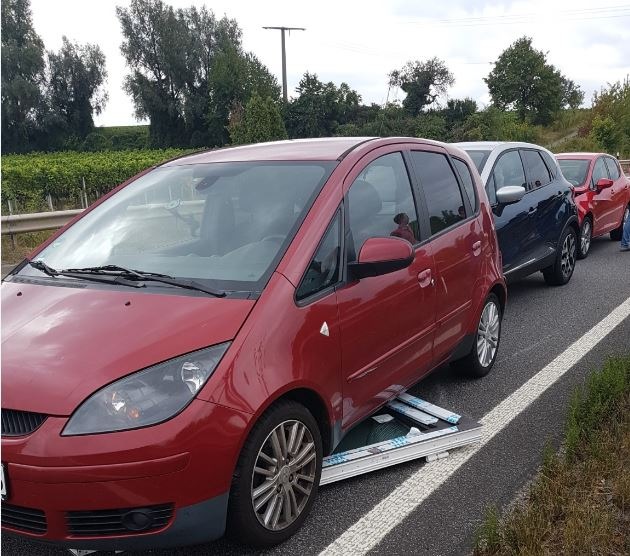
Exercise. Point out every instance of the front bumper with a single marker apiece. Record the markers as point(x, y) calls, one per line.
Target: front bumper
point(185, 465)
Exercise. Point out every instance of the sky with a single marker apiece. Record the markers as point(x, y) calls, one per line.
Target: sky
point(360, 42)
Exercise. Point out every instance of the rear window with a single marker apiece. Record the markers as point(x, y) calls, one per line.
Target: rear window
point(574, 170)
point(613, 169)
point(479, 158)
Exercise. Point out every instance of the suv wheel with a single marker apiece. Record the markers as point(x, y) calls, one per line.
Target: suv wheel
point(560, 272)
point(277, 476)
point(586, 235)
point(484, 351)
point(616, 234)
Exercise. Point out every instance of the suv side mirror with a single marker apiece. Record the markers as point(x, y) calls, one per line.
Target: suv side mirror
point(382, 255)
point(510, 194)
point(604, 183)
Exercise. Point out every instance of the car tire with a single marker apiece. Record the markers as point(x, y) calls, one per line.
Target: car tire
point(483, 354)
point(586, 236)
point(616, 234)
point(560, 272)
point(286, 431)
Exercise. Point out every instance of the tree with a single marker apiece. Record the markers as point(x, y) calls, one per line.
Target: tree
point(457, 111)
point(75, 91)
point(259, 121)
point(320, 108)
point(187, 70)
point(524, 81)
point(22, 76)
point(424, 83)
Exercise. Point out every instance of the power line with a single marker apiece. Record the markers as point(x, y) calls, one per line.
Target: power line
point(284, 55)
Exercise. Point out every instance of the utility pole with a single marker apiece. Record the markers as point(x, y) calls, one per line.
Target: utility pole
point(284, 55)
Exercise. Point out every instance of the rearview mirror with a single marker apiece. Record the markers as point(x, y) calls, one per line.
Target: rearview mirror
point(604, 183)
point(382, 255)
point(510, 194)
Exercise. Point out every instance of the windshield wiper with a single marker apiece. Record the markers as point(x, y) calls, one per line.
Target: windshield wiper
point(103, 277)
point(131, 274)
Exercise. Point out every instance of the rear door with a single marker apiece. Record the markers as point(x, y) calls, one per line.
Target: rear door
point(456, 241)
point(387, 322)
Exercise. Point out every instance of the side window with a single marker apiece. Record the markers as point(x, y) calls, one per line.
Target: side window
point(599, 171)
point(491, 190)
point(444, 199)
point(324, 270)
point(613, 169)
point(380, 203)
point(551, 164)
point(536, 170)
point(509, 171)
point(467, 180)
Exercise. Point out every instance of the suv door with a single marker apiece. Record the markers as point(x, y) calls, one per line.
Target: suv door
point(516, 228)
point(456, 243)
point(387, 322)
point(547, 192)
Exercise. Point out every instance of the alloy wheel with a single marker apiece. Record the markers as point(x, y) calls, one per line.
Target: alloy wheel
point(284, 475)
point(488, 334)
point(567, 259)
point(585, 237)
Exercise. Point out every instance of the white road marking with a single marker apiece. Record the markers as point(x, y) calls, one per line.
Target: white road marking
point(366, 533)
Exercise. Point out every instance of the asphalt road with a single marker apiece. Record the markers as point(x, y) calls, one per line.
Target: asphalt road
point(540, 323)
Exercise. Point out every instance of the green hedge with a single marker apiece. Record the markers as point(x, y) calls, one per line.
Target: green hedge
point(28, 178)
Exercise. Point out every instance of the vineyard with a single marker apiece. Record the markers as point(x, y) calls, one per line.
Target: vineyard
point(32, 182)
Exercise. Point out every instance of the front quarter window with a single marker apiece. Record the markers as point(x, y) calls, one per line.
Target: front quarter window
point(224, 223)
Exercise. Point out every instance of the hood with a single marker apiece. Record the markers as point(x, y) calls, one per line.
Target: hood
point(60, 344)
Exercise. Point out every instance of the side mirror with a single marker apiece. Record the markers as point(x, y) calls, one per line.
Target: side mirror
point(382, 255)
point(604, 183)
point(510, 194)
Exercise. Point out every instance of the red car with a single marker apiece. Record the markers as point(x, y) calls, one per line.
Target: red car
point(602, 195)
point(179, 359)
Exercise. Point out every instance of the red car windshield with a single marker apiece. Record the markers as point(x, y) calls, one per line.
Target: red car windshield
point(225, 223)
point(574, 170)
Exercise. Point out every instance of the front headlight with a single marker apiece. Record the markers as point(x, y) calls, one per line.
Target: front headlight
point(146, 397)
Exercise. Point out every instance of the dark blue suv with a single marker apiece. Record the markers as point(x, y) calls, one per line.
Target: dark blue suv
point(533, 206)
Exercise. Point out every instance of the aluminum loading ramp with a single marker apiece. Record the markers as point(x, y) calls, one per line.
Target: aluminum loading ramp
point(431, 432)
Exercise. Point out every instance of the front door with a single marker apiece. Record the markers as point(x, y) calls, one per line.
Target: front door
point(603, 204)
point(515, 223)
point(387, 322)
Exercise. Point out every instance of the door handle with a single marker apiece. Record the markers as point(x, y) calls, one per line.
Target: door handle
point(532, 210)
point(476, 248)
point(424, 278)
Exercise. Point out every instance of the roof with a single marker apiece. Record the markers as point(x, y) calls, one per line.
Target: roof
point(328, 148)
point(491, 145)
point(588, 156)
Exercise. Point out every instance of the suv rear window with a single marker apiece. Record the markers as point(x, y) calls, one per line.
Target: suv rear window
point(537, 172)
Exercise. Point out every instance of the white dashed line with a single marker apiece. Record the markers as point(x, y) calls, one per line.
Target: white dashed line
point(366, 533)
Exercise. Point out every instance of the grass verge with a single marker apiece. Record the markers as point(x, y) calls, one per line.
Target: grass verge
point(24, 244)
point(580, 501)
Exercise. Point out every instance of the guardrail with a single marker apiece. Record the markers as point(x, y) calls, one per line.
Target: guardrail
point(37, 221)
point(625, 166)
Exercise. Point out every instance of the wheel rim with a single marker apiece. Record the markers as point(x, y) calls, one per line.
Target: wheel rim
point(488, 334)
point(567, 260)
point(585, 237)
point(284, 475)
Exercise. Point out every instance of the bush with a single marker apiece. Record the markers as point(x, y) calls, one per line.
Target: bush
point(29, 178)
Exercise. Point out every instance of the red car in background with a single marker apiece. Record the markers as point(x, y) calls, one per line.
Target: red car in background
point(602, 195)
point(178, 360)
